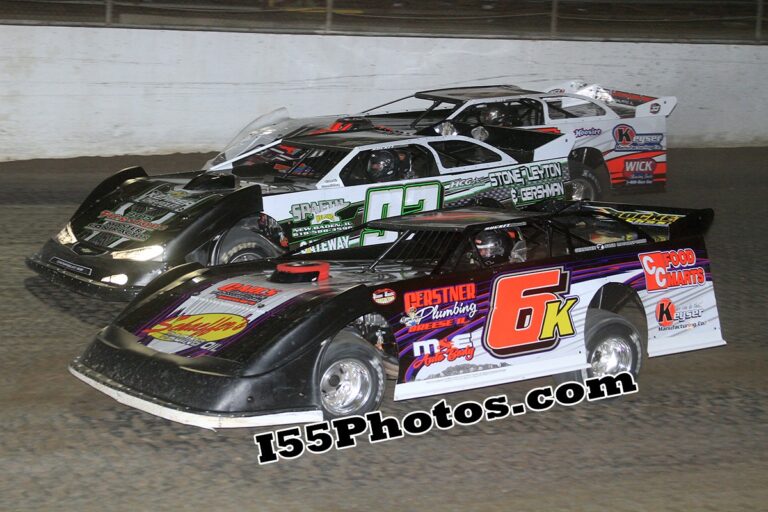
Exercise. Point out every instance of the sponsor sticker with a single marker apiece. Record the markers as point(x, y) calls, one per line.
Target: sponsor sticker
point(244, 293)
point(655, 108)
point(74, 267)
point(429, 352)
point(175, 200)
point(670, 317)
point(384, 296)
point(627, 139)
point(641, 168)
point(642, 217)
point(143, 223)
point(130, 231)
point(587, 132)
point(439, 307)
point(194, 330)
point(671, 269)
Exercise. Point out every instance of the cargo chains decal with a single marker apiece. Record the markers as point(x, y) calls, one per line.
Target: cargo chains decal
point(529, 313)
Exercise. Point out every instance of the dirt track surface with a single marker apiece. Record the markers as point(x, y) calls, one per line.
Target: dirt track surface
point(694, 438)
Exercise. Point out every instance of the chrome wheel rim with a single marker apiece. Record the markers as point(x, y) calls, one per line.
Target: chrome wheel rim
point(345, 386)
point(581, 190)
point(611, 356)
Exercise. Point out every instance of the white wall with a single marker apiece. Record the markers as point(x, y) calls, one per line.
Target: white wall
point(90, 91)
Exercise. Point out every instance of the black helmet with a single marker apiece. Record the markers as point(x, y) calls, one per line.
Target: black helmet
point(493, 246)
point(381, 165)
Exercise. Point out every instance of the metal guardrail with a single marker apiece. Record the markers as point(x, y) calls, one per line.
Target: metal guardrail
point(707, 21)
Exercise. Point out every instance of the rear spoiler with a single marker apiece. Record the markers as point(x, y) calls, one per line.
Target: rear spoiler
point(645, 105)
point(661, 222)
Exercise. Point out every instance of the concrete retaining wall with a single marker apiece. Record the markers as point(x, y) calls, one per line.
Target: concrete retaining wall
point(95, 91)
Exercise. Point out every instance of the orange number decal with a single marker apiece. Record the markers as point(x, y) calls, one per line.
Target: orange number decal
point(529, 313)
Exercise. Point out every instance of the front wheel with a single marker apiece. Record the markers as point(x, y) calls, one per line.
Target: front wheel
point(352, 377)
point(247, 251)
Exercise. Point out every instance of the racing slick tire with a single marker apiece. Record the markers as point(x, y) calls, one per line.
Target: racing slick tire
point(351, 377)
point(585, 183)
point(613, 346)
point(247, 251)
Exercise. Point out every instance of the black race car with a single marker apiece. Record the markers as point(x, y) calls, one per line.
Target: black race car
point(462, 298)
point(284, 195)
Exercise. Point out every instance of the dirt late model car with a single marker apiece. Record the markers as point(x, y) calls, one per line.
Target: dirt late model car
point(460, 299)
point(619, 138)
point(283, 195)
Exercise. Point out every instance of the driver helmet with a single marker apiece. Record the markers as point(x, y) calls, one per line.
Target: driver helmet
point(491, 115)
point(493, 246)
point(381, 165)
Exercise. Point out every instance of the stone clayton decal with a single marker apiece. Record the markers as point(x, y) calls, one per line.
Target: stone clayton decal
point(200, 331)
point(436, 308)
point(244, 293)
point(587, 132)
point(384, 296)
point(530, 183)
point(664, 270)
point(670, 317)
point(627, 139)
point(641, 217)
point(530, 312)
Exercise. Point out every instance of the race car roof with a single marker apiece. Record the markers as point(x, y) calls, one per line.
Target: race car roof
point(346, 140)
point(454, 220)
point(462, 94)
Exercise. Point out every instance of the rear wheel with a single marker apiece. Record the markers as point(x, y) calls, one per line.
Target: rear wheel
point(586, 183)
point(352, 377)
point(613, 346)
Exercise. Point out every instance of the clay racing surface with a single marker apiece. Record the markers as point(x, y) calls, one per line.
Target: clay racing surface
point(693, 438)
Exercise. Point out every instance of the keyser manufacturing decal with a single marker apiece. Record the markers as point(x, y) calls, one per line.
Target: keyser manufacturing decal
point(670, 317)
point(627, 139)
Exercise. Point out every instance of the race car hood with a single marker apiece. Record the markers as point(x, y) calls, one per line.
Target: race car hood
point(153, 211)
point(235, 312)
point(144, 212)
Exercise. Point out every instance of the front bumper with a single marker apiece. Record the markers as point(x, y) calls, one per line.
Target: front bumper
point(208, 392)
point(83, 274)
point(81, 284)
point(186, 415)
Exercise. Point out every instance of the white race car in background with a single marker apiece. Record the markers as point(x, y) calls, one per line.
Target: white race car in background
point(619, 138)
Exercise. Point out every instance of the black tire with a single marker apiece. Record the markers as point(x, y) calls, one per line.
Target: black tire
point(351, 377)
point(586, 184)
point(246, 251)
point(608, 333)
